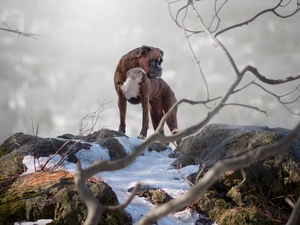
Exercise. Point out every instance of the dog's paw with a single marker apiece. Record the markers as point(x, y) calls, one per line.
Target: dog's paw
point(175, 131)
point(140, 137)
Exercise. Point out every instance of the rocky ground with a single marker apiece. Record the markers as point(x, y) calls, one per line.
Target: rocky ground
point(253, 195)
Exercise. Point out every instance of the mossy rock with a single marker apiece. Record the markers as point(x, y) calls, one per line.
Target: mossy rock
point(52, 195)
point(257, 189)
point(219, 141)
point(11, 165)
point(210, 203)
point(4, 148)
point(154, 195)
point(224, 212)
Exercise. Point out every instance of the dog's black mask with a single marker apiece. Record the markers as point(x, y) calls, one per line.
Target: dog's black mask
point(155, 69)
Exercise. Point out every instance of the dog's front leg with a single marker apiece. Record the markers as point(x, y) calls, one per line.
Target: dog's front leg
point(122, 109)
point(145, 119)
point(144, 94)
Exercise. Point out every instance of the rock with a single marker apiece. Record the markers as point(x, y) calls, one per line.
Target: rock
point(16, 141)
point(25, 144)
point(255, 194)
point(115, 149)
point(156, 146)
point(49, 194)
point(93, 137)
point(154, 195)
point(52, 195)
point(11, 166)
point(104, 133)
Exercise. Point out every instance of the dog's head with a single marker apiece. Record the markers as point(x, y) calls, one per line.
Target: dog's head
point(150, 60)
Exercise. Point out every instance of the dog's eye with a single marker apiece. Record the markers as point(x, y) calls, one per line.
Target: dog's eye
point(160, 62)
point(154, 62)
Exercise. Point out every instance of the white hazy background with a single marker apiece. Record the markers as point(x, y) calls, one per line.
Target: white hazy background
point(55, 80)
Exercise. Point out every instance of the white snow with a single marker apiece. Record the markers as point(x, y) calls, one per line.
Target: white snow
point(39, 222)
point(150, 168)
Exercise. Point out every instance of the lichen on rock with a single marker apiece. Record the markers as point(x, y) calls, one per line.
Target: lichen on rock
point(52, 195)
point(254, 194)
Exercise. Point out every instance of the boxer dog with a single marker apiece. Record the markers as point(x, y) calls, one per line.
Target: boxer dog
point(138, 80)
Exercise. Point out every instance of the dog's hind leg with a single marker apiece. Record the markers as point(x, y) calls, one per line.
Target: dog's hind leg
point(156, 113)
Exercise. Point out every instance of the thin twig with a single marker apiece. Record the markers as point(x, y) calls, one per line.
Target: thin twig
point(246, 106)
point(197, 61)
point(20, 33)
point(217, 11)
point(216, 42)
point(272, 10)
point(34, 148)
point(120, 207)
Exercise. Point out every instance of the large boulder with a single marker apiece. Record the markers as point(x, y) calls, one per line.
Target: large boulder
point(253, 195)
point(25, 144)
point(52, 195)
point(66, 145)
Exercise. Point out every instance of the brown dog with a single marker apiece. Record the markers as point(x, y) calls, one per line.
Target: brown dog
point(137, 80)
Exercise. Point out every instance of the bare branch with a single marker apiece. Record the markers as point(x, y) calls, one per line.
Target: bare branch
point(196, 61)
point(295, 213)
point(272, 10)
point(122, 206)
point(216, 42)
point(270, 81)
point(216, 16)
point(20, 33)
point(95, 209)
point(284, 5)
point(289, 202)
point(177, 15)
point(279, 97)
point(246, 106)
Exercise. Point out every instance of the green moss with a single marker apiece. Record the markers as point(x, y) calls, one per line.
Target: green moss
point(11, 165)
point(28, 195)
point(118, 218)
point(209, 204)
point(107, 200)
point(243, 216)
point(12, 211)
point(4, 149)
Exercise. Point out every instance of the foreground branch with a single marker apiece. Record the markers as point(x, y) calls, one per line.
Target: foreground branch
point(295, 214)
point(95, 208)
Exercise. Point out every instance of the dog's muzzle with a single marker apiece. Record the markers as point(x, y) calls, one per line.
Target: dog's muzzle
point(155, 72)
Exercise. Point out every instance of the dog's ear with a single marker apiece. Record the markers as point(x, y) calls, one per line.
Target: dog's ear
point(143, 51)
point(161, 52)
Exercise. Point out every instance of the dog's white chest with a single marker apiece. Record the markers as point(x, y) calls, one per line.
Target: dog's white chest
point(131, 86)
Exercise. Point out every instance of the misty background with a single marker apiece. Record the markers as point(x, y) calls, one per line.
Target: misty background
point(55, 80)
